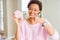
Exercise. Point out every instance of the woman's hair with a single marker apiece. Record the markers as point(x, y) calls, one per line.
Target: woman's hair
point(35, 2)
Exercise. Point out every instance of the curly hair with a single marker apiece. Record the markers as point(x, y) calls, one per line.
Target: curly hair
point(35, 2)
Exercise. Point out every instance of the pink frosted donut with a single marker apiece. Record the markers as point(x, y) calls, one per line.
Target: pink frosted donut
point(18, 14)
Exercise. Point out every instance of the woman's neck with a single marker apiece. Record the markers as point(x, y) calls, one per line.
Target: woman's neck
point(32, 20)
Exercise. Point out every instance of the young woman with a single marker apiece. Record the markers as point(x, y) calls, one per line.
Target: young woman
point(34, 27)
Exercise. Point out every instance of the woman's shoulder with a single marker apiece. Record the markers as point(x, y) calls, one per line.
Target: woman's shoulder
point(42, 20)
point(46, 20)
point(24, 21)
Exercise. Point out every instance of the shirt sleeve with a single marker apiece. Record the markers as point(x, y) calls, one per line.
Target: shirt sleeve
point(55, 36)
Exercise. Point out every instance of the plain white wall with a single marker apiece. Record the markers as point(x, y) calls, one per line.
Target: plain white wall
point(51, 11)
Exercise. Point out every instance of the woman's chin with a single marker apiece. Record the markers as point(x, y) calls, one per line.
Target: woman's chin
point(31, 16)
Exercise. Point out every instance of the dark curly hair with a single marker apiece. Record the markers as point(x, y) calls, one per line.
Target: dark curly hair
point(35, 2)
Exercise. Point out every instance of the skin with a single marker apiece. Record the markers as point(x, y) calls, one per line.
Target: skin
point(33, 19)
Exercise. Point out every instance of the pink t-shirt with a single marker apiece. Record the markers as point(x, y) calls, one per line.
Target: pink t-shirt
point(33, 31)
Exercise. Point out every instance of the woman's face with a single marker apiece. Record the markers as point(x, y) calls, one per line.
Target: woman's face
point(33, 10)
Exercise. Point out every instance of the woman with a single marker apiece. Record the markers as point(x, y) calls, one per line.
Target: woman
point(34, 27)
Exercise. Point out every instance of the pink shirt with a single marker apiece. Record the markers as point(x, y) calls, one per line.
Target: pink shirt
point(35, 32)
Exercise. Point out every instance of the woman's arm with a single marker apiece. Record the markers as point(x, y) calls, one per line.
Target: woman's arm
point(18, 29)
point(18, 35)
point(49, 28)
point(18, 22)
point(51, 31)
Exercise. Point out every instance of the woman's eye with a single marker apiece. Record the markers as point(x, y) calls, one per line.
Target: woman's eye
point(35, 10)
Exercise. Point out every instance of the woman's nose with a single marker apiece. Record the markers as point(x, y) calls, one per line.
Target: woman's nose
point(32, 11)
